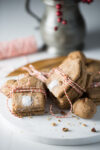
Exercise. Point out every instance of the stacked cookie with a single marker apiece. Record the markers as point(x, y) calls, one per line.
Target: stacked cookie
point(74, 68)
point(28, 96)
point(93, 87)
point(68, 83)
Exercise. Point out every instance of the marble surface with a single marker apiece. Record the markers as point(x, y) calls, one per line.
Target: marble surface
point(15, 22)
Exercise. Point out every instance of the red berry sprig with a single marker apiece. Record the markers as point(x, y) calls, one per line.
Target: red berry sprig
point(59, 12)
point(59, 15)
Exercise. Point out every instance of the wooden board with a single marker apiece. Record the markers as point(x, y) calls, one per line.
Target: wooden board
point(47, 64)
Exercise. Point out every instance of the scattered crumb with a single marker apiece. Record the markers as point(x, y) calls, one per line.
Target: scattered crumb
point(84, 125)
point(59, 120)
point(65, 129)
point(54, 124)
point(93, 130)
point(73, 116)
point(63, 113)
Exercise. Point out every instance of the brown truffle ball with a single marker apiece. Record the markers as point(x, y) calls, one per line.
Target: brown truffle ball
point(84, 108)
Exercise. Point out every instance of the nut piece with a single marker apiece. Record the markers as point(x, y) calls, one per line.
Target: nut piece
point(59, 120)
point(65, 129)
point(63, 113)
point(84, 125)
point(54, 124)
point(93, 130)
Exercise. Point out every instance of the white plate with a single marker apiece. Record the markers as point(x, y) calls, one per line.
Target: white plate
point(39, 128)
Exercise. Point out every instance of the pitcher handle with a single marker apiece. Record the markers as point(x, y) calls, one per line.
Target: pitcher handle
point(30, 12)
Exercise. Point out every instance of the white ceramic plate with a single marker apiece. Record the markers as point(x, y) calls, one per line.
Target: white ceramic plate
point(39, 128)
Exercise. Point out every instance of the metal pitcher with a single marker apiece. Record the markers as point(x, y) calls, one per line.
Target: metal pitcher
point(68, 37)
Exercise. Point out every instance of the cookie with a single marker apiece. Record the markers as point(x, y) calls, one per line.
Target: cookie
point(84, 108)
point(28, 104)
point(78, 54)
point(73, 68)
point(28, 97)
point(93, 86)
point(6, 88)
point(93, 66)
point(29, 81)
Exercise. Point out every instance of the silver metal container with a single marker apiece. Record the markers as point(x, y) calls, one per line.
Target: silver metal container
point(68, 37)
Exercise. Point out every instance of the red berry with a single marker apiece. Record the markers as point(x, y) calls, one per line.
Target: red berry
point(84, 1)
point(59, 13)
point(64, 22)
point(59, 20)
point(58, 6)
point(55, 28)
point(89, 1)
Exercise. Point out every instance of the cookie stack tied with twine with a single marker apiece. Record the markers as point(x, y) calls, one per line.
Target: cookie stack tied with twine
point(68, 83)
point(27, 96)
point(69, 77)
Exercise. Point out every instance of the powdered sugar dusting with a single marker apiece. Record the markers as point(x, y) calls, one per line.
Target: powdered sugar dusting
point(26, 100)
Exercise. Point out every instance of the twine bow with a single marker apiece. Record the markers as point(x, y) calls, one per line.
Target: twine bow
point(33, 72)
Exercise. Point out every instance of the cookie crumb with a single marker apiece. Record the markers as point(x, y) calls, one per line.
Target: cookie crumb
point(59, 120)
point(84, 125)
point(65, 129)
point(73, 116)
point(63, 113)
point(93, 130)
point(54, 124)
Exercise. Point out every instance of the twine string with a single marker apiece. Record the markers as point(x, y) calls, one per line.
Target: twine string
point(33, 72)
point(66, 80)
point(23, 89)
